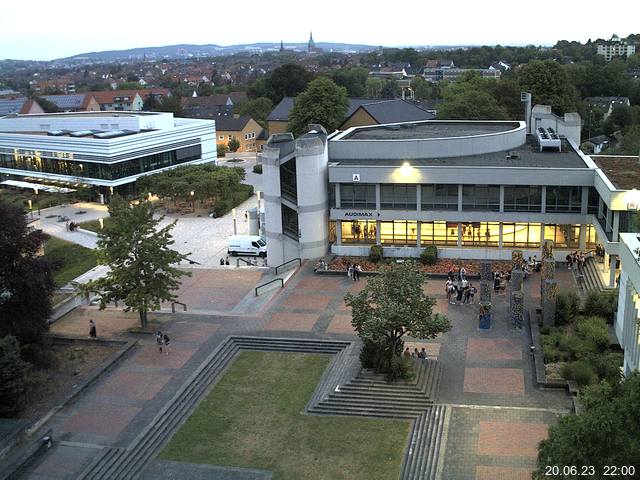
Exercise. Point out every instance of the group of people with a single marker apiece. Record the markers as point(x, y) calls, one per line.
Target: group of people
point(576, 260)
point(353, 271)
point(224, 261)
point(422, 354)
point(162, 339)
point(357, 230)
point(458, 288)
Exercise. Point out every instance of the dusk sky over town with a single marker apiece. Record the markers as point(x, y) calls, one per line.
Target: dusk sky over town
point(56, 31)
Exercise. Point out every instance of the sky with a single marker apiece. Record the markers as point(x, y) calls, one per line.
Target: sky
point(46, 30)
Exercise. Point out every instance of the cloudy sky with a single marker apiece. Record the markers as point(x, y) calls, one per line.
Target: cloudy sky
point(43, 30)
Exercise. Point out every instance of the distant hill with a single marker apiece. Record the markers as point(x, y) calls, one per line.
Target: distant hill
point(185, 50)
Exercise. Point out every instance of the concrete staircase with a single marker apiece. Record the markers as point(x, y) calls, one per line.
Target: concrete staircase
point(592, 277)
point(344, 389)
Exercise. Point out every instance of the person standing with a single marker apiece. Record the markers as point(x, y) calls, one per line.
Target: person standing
point(159, 341)
point(350, 271)
point(356, 272)
point(92, 329)
point(165, 341)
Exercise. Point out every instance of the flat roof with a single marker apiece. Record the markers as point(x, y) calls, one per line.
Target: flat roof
point(622, 170)
point(527, 155)
point(429, 129)
point(102, 113)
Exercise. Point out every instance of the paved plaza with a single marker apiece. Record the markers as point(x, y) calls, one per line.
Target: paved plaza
point(498, 414)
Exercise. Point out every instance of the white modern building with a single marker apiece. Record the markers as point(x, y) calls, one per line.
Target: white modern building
point(101, 149)
point(626, 325)
point(616, 47)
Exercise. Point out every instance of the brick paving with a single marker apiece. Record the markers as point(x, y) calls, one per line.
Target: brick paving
point(494, 381)
point(486, 376)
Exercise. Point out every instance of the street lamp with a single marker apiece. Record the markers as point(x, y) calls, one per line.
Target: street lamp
point(101, 220)
point(235, 223)
point(30, 208)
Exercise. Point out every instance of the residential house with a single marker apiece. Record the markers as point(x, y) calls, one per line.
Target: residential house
point(244, 128)
point(616, 47)
point(121, 100)
point(77, 102)
point(595, 145)
point(607, 104)
point(453, 74)
point(18, 104)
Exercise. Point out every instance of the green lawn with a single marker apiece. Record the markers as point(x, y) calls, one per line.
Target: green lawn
point(94, 225)
point(71, 260)
point(254, 418)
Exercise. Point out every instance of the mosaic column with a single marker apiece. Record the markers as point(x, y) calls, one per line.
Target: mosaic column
point(549, 303)
point(517, 259)
point(484, 320)
point(547, 272)
point(517, 309)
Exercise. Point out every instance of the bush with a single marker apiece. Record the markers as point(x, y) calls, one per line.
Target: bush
point(257, 168)
point(375, 253)
point(38, 355)
point(601, 304)
point(607, 365)
point(567, 306)
point(222, 150)
point(401, 368)
point(429, 255)
point(13, 372)
point(594, 331)
point(579, 371)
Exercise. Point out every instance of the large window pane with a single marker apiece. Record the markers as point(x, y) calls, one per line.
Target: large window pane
point(359, 231)
point(564, 199)
point(398, 197)
point(523, 235)
point(480, 234)
point(439, 233)
point(522, 199)
point(398, 233)
point(563, 236)
point(358, 196)
point(439, 197)
point(481, 197)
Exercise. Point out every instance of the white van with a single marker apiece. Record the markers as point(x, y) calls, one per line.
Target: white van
point(247, 245)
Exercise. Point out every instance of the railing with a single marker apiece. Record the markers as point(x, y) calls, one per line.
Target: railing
point(248, 262)
point(173, 306)
point(299, 260)
point(269, 283)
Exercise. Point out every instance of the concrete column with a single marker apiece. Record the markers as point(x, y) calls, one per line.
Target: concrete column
point(501, 201)
point(541, 233)
point(500, 244)
point(459, 197)
point(605, 262)
point(600, 206)
point(583, 237)
point(609, 222)
point(419, 199)
point(584, 205)
point(616, 225)
point(418, 229)
point(544, 199)
point(338, 232)
point(459, 235)
point(549, 303)
point(612, 271)
point(378, 230)
point(378, 196)
point(337, 193)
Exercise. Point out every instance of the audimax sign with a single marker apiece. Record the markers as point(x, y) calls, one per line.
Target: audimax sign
point(361, 215)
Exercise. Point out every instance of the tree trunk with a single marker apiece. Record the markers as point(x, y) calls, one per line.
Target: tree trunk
point(143, 318)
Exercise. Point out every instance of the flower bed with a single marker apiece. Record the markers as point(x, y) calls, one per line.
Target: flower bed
point(442, 265)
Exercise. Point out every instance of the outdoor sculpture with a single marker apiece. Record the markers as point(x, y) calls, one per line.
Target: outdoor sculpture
point(484, 320)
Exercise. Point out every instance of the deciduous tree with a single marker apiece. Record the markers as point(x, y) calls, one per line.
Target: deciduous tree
point(389, 307)
point(322, 102)
point(26, 283)
point(13, 371)
point(142, 266)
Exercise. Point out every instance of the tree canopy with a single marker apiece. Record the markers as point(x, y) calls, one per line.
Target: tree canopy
point(257, 108)
point(142, 267)
point(285, 81)
point(605, 432)
point(26, 283)
point(322, 102)
point(549, 84)
point(471, 99)
point(389, 307)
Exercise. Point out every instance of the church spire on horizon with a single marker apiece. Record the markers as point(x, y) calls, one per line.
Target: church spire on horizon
point(311, 46)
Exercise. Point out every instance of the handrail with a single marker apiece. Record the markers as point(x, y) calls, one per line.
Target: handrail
point(248, 262)
point(173, 306)
point(299, 260)
point(270, 282)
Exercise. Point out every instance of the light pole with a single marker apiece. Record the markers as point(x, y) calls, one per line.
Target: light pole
point(101, 220)
point(235, 223)
point(30, 208)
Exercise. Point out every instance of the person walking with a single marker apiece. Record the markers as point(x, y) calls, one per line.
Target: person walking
point(92, 329)
point(423, 353)
point(159, 341)
point(165, 341)
point(472, 291)
point(350, 271)
point(356, 272)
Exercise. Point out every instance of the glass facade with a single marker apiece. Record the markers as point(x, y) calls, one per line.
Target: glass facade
point(480, 234)
point(563, 236)
point(357, 196)
point(439, 233)
point(399, 233)
point(289, 180)
point(523, 235)
point(290, 222)
point(522, 199)
point(564, 199)
point(439, 197)
point(359, 231)
point(594, 200)
point(398, 197)
point(34, 162)
point(481, 197)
